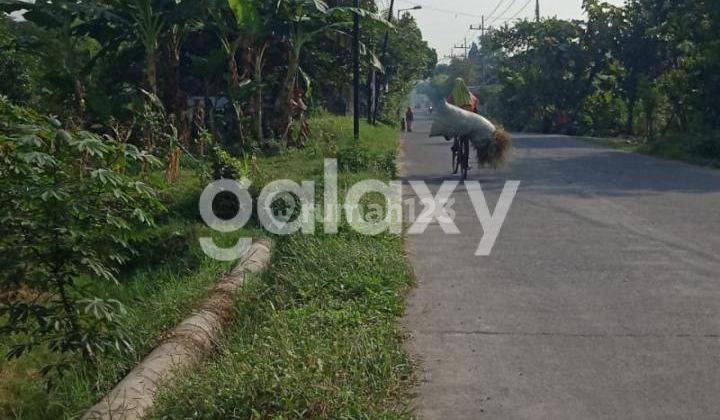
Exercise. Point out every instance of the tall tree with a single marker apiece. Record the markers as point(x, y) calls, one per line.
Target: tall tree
point(64, 44)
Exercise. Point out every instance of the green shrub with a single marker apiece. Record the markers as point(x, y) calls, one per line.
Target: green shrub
point(229, 167)
point(356, 158)
point(707, 146)
point(68, 202)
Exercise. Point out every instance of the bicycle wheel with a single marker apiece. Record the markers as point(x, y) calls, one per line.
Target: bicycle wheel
point(465, 158)
point(456, 160)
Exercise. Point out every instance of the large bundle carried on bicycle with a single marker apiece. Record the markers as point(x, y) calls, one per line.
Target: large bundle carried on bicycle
point(492, 144)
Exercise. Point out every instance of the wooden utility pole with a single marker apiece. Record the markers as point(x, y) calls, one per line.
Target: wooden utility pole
point(356, 72)
point(537, 10)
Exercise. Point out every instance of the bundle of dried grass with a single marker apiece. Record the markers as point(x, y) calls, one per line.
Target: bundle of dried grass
point(494, 151)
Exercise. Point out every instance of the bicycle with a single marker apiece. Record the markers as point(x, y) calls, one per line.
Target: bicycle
point(461, 157)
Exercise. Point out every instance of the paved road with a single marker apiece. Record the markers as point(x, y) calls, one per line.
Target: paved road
point(601, 299)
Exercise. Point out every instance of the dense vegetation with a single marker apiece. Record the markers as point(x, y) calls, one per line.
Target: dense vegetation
point(321, 289)
point(316, 336)
point(113, 117)
point(647, 70)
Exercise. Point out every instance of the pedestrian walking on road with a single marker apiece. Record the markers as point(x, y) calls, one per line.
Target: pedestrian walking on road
point(409, 119)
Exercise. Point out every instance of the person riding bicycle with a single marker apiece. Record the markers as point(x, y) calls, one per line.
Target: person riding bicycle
point(462, 98)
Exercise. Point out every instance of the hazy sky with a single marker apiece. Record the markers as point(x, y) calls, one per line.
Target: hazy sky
point(446, 22)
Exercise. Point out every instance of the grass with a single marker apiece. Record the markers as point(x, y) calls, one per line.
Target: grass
point(675, 147)
point(159, 288)
point(315, 336)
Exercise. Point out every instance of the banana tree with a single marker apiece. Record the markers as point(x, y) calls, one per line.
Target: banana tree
point(158, 27)
point(149, 25)
point(253, 18)
point(217, 13)
point(303, 21)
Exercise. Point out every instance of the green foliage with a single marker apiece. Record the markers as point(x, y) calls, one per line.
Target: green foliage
point(228, 167)
point(409, 59)
point(68, 203)
point(317, 335)
point(16, 66)
point(160, 285)
point(356, 158)
point(646, 68)
point(603, 114)
point(247, 15)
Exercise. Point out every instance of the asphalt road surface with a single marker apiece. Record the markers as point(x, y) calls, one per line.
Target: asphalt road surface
point(601, 299)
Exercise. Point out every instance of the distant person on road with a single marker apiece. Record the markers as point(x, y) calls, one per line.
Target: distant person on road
point(409, 119)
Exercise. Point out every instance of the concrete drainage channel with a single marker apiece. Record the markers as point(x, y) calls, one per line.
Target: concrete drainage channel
point(185, 346)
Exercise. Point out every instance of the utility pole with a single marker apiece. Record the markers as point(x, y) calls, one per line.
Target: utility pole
point(356, 72)
point(481, 28)
point(537, 10)
point(463, 47)
point(371, 92)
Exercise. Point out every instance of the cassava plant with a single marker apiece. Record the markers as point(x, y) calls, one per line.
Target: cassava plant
point(68, 202)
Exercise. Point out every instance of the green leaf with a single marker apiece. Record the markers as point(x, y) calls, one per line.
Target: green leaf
point(247, 15)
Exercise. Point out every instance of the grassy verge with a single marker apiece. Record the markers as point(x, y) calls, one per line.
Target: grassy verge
point(159, 288)
point(314, 336)
point(673, 147)
point(317, 335)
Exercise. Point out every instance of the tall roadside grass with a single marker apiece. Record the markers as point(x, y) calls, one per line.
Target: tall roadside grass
point(317, 335)
point(701, 148)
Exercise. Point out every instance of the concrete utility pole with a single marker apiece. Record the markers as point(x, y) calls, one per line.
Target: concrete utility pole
point(356, 72)
point(537, 10)
point(481, 28)
point(463, 47)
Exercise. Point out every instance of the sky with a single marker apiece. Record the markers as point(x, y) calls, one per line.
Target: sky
point(446, 23)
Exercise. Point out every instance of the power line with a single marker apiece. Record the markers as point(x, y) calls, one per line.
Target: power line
point(522, 9)
point(441, 10)
point(512, 3)
point(451, 12)
point(463, 47)
point(497, 6)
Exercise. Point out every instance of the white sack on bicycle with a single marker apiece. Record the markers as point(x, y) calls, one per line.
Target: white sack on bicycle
point(492, 145)
point(451, 121)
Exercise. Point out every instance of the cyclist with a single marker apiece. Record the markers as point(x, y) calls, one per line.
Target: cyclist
point(462, 98)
